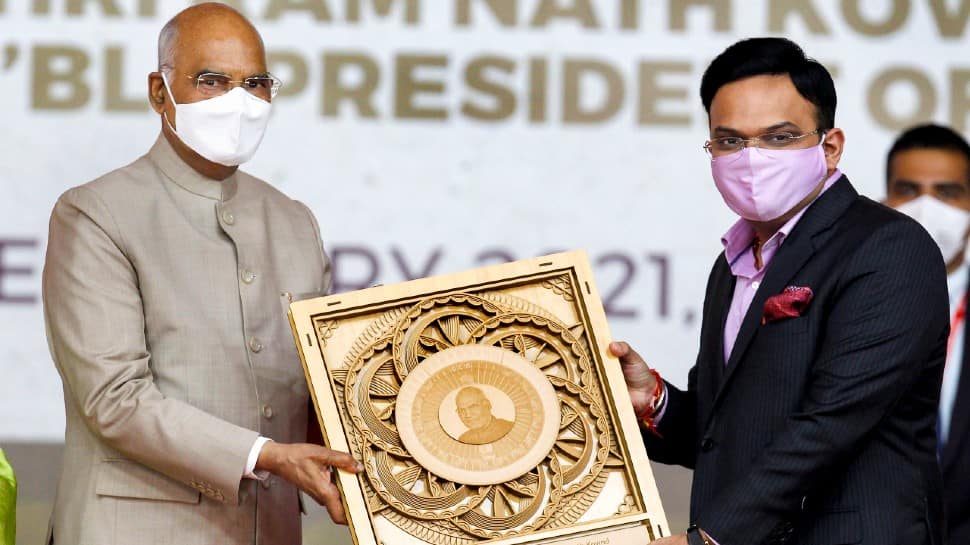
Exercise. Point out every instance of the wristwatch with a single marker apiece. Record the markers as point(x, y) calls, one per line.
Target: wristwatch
point(695, 537)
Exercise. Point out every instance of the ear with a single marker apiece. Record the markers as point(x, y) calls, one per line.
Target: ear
point(157, 94)
point(834, 141)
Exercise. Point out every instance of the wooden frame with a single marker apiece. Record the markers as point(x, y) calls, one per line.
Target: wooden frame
point(485, 407)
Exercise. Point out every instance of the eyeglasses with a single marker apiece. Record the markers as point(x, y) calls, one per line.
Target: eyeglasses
point(211, 84)
point(772, 140)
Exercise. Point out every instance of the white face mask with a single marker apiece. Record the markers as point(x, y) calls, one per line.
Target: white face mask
point(946, 223)
point(225, 129)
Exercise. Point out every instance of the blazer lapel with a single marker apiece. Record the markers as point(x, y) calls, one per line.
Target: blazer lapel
point(722, 291)
point(794, 252)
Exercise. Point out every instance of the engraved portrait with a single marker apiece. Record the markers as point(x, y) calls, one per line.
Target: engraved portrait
point(475, 411)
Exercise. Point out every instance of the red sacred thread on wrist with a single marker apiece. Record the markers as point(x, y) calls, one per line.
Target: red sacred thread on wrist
point(646, 418)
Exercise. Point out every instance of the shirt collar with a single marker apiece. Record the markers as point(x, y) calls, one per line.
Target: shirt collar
point(957, 281)
point(186, 177)
point(739, 237)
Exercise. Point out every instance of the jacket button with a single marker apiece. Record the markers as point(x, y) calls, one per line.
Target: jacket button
point(267, 411)
point(267, 482)
point(248, 276)
point(707, 444)
point(228, 218)
point(255, 345)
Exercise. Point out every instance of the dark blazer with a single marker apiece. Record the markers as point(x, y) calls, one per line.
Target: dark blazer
point(821, 429)
point(956, 458)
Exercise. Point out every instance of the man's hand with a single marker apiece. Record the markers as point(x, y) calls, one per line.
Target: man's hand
point(639, 380)
point(680, 539)
point(309, 468)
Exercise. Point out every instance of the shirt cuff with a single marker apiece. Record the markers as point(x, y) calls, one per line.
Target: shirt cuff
point(658, 414)
point(251, 472)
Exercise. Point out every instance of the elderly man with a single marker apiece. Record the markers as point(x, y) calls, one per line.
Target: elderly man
point(162, 297)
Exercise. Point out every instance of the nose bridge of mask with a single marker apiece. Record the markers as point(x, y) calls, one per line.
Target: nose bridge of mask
point(929, 205)
point(235, 92)
point(770, 159)
point(917, 207)
point(767, 165)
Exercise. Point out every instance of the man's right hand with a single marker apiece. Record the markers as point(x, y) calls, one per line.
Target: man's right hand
point(309, 468)
point(640, 382)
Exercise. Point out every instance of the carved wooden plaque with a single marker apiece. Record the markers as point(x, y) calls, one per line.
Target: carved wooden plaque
point(484, 406)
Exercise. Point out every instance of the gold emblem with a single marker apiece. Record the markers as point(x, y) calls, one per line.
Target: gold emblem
point(477, 415)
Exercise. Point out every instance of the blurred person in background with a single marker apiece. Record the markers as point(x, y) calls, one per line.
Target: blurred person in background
point(8, 502)
point(162, 299)
point(809, 417)
point(928, 178)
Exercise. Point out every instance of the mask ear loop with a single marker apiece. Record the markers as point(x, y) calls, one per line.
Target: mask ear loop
point(172, 97)
point(821, 145)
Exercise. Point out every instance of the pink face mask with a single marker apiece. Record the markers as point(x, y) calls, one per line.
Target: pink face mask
point(762, 184)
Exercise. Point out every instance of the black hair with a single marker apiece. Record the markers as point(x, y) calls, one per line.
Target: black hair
point(773, 56)
point(929, 136)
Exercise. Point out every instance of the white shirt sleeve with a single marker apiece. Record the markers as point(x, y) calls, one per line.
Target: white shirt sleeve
point(251, 472)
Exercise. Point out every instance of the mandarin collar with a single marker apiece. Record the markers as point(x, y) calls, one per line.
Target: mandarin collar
point(186, 177)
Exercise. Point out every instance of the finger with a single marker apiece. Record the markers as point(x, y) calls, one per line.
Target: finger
point(331, 500)
point(627, 355)
point(619, 348)
point(343, 461)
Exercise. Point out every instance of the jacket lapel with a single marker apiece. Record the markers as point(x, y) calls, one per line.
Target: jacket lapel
point(722, 291)
point(794, 252)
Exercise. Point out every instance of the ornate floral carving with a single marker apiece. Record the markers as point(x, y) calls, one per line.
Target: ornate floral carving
point(556, 492)
point(560, 285)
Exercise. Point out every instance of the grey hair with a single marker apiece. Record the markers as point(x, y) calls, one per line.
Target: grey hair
point(167, 39)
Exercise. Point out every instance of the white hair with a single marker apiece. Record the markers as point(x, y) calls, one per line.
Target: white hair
point(166, 45)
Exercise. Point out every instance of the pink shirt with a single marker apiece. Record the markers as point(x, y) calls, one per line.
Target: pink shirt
point(737, 250)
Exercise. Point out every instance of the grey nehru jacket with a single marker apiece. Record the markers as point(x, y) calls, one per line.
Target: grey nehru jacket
point(165, 309)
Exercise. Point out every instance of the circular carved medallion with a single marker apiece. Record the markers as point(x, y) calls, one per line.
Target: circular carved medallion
point(443, 505)
point(478, 415)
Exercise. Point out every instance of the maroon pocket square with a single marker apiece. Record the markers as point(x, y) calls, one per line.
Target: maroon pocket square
point(790, 303)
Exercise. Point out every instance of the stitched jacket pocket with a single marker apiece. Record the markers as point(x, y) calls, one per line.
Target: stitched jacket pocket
point(127, 479)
